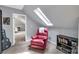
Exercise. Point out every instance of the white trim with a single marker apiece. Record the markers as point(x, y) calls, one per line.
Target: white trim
point(25, 27)
point(13, 42)
point(52, 42)
point(14, 14)
point(28, 40)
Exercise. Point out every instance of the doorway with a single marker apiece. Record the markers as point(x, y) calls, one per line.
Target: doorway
point(19, 28)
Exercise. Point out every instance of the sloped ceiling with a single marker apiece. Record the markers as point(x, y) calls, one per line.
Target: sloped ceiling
point(61, 16)
point(20, 7)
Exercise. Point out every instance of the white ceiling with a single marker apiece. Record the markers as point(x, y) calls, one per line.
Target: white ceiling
point(20, 7)
point(62, 16)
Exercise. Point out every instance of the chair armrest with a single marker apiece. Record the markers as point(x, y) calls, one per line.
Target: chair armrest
point(33, 37)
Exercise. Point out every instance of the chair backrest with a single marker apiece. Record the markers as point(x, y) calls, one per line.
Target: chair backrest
point(43, 31)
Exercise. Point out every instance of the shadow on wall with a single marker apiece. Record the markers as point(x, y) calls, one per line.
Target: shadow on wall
point(78, 27)
point(77, 22)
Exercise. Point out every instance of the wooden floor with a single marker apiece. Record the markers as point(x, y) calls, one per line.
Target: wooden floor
point(22, 47)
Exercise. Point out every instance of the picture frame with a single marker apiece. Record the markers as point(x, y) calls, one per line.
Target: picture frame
point(6, 20)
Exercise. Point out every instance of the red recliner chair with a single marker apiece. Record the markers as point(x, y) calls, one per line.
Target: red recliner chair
point(40, 39)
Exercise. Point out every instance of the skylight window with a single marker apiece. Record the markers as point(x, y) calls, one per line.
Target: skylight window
point(43, 17)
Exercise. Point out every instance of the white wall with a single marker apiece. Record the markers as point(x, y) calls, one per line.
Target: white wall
point(78, 37)
point(31, 28)
point(20, 24)
point(7, 12)
point(78, 32)
point(54, 32)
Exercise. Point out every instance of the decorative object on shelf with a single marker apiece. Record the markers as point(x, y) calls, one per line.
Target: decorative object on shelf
point(6, 20)
point(67, 44)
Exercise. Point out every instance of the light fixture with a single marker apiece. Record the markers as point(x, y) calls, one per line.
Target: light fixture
point(43, 17)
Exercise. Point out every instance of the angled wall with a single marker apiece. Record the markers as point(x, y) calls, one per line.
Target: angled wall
point(32, 25)
point(64, 19)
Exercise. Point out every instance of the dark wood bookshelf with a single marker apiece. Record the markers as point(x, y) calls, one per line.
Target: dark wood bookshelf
point(67, 44)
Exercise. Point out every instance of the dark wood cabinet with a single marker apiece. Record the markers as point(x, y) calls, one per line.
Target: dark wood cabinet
point(0, 29)
point(67, 44)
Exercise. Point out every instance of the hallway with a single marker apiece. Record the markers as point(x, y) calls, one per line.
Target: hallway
point(19, 37)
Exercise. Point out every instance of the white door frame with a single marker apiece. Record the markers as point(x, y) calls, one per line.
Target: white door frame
point(14, 14)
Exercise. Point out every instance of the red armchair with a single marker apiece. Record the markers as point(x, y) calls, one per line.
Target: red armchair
point(40, 39)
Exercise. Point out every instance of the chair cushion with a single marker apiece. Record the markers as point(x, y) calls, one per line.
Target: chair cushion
point(42, 37)
point(38, 44)
point(34, 46)
point(39, 41)
point(34, 37)
point(39, 37)
point(42, 33)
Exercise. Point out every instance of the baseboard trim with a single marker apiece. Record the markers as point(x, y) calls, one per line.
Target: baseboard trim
point(28, 40)
point(52, 42)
